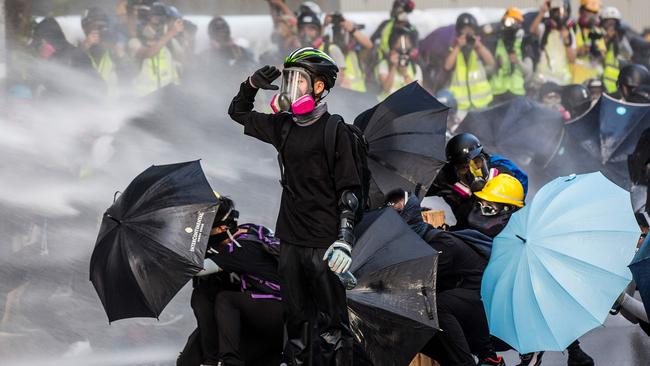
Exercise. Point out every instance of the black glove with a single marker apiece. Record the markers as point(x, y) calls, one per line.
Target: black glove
point(264, 77)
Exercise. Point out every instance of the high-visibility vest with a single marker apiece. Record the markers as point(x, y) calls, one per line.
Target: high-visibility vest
point(587, 67)
point(353, 76)
point(610, 75)
point(469, 83)
point(508, 78)
point(384, 41)
point(398, 82)
point(554, 63)
point(107, 72)
point(156, 72)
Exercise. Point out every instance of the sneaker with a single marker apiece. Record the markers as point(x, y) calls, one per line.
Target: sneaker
point(531, 359)
point(577, 357)
point(491, 361)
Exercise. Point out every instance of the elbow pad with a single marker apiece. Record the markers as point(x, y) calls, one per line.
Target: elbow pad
point(348, 207)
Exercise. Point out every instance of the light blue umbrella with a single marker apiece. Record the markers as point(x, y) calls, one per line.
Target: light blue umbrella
point(560, 263)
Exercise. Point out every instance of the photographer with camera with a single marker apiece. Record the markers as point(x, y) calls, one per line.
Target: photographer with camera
point(107, 57)
point(157, 50)
point(356, 48)
point(514, 67)
point(590, 45)
point(399, 68)
point(554, 27)
point(619, 52)
point(469, 61)
point(398, 17)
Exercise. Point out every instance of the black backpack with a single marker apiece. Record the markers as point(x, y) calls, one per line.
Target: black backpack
point(360, 151)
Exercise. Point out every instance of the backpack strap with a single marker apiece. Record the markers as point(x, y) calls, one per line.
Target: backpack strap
point(284, 133)
point(331, 129)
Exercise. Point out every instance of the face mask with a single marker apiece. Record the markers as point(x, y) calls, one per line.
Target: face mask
point(402, 17)
point(295, 93)
point(488, 225)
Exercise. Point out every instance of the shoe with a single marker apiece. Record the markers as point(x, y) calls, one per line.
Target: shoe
point(492, 361)
point(531, 359)
point(577, 357)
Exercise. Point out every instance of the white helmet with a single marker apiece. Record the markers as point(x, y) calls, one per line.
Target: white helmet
point(610, 12)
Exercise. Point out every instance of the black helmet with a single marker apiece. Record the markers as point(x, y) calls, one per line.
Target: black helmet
point(466, 19)
point(640, 94)
point(218, 27)
point(576, 99)
point(404, 29)
point(93, 15)
point(462, 148)
point(316, 62)
point(308, 17)
point(226, 213)
point(158, 9)
point(633, 75)
point(404, 5)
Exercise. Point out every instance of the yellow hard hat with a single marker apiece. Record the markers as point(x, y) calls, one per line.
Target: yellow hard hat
point(514, 13)
point(591, 5)
point(503, 188)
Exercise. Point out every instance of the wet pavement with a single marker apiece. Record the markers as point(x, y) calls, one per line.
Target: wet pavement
point(618, 343)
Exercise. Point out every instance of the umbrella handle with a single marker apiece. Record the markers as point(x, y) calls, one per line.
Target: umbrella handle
point(427, 303)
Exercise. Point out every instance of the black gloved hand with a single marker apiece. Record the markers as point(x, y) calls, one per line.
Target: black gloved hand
point(264, 77)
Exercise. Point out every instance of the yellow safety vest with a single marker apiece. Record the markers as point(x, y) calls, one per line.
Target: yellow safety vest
point(156, 72)
point(587, 67)
point(508, 79)
point(469, 83)
point(398, 83)
point(554, 63)
point(384, 42)
point(610, 75)
point(353, 76)
point(107, 72)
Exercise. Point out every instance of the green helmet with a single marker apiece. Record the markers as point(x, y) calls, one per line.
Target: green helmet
point(316, 62)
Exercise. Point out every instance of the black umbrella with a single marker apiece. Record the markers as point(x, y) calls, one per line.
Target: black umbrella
point(406, 137)
point(521, 130)
point(393, 307)
point(152, 240)
point(639, 161)
point(608, 133)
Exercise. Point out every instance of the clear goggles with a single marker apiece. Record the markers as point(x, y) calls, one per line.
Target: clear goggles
point(296, 83)
point(487, 209)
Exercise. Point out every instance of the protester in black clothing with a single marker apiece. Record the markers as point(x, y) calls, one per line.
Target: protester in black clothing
point(467, 170)
point(318, 207)
point(460, 310)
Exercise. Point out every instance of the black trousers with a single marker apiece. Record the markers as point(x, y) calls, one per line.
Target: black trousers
point(250, 330)
point(464, 329)
point(315, 309)
point(203, 306)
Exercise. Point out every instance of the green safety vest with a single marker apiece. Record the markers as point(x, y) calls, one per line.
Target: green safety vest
point(353, 76)
point(554, 63)
point(469, 84)
point(507, 79)
point(586, 67)
point(384, 42)
point(397, 84)
point(156, 72)
point(107, 72)
point(610, 75)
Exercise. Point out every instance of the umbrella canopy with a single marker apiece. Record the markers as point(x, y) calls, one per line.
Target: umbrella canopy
point(521, 130)
point(393, 307)
point(609, 132)
point(560, 263)
point(152, 240)
point(406, 138)
point(640, 268)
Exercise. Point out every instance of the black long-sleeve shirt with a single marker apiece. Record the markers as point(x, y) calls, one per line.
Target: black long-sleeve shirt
point(309, 214)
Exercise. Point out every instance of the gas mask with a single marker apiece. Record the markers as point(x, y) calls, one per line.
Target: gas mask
point(487, 220)
point(476, 175)
point(404, 51)
point(231, 222)
point(296, 93)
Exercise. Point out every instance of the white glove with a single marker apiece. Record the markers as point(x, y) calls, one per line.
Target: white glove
point(209, 267)
point(339, 256)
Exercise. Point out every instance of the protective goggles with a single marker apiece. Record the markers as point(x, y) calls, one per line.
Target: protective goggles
point(487, 210)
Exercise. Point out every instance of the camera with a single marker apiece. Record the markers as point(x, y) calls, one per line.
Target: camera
point(471, 40)
point(404, 59)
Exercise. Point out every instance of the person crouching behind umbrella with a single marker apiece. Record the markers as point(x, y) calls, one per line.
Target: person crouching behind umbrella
point(495, 203)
